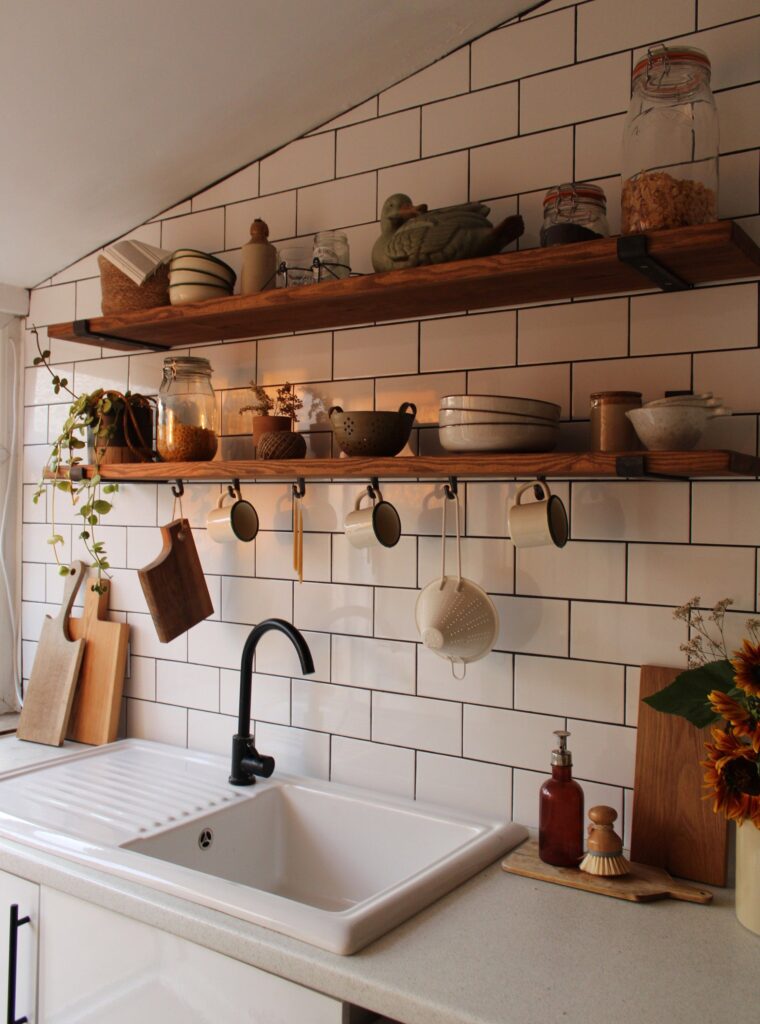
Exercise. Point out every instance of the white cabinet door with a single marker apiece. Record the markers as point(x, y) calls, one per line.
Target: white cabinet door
point(97, 967)
point(19, 929)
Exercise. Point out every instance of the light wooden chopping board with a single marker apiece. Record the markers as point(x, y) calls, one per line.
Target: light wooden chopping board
point(673, 826)
point(97, 700)
point(50, 691)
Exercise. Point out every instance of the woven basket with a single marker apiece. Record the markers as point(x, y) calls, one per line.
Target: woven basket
point(120, 295)
point(281, 444)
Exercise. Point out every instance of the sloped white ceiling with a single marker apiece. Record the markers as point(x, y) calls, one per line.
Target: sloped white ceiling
point(113, 110)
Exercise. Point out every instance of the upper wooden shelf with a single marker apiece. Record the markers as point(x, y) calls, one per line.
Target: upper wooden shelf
point(711, 252)
point(555, 464)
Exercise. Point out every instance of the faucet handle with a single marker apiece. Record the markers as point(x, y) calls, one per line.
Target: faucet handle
point(247, 762)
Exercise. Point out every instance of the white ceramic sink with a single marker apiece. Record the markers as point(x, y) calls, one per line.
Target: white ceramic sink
point(329, 864)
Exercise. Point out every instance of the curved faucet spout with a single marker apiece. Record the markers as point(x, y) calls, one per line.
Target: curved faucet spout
point(246, 760)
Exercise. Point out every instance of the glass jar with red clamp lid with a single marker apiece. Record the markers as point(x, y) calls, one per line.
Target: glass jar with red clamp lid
point(574, 212)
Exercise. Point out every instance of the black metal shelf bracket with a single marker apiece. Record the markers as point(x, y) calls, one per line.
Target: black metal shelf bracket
point(635, 467)
point(634, 250)
point(82, 330)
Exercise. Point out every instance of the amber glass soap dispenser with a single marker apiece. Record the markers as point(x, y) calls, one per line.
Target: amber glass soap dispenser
point(560, 815)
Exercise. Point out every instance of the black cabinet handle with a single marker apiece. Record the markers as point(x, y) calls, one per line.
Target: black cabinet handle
point(15, 924)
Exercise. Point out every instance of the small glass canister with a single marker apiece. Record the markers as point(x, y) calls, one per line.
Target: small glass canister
point(574, 212)
point(186, 411)
point(611, 430)
point(331, 250)
point(294, 265)
point(670, 142)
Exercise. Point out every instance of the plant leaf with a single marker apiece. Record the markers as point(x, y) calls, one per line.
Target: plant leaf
point(687, 694)
point(101, 507)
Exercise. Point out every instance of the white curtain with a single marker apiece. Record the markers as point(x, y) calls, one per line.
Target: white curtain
point(11, 376)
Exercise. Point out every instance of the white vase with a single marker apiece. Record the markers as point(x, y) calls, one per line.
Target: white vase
point(748, 876)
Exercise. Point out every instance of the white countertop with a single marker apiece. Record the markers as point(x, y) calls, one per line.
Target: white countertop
point(498, 949)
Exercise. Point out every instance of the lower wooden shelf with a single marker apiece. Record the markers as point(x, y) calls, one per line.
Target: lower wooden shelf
point(676, 465)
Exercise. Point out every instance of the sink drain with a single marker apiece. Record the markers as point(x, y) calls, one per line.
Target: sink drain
point(206, 838)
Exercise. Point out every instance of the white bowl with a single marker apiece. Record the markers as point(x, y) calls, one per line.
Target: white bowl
point(455, 417)
point(192, 275)
point(180, 294)
point(193, 259)
point(495, 437)
point(503, 403)
point(670, 428)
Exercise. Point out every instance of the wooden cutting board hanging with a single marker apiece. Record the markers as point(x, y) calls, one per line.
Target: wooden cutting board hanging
point(97, 700)
point(673, 827)
point(50, 691)
point(174, 584)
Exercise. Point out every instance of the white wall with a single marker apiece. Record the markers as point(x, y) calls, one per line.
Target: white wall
point(529, 105)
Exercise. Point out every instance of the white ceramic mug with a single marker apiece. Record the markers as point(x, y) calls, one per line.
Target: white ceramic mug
point(379, 523)
point(229, 523)
point(534, 523)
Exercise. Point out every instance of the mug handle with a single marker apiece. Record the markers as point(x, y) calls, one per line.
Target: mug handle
point(332, 409)
point(358, 502)
point(222, 496)
point(408, 406)
point(533, 483)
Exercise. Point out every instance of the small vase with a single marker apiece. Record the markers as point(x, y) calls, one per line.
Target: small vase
point(748, 876)
point(266, 424)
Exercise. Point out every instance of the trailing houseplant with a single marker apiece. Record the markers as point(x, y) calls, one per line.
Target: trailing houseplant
point(99, 414)
point(721, 689)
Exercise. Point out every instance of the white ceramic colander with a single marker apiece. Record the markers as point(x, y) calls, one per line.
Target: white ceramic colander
point(455, 617)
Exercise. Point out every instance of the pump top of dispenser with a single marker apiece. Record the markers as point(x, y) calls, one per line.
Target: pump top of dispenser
point(561, 755)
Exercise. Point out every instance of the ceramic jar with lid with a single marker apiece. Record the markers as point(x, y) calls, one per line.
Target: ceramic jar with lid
point(670, 142)
point(186, 430)
point(611, 430)
point(574, 212)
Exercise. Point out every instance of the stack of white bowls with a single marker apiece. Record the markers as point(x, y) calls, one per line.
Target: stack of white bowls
point(195, 276)
point(676, 423)
point(497, 423)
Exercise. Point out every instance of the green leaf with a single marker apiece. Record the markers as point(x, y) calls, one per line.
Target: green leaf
point(687, 694)
point(63, 485)
point(63, 570)
point(110, 488)
point(92, 520)
point(102, 507)
point(75, 442)
point(56, 539)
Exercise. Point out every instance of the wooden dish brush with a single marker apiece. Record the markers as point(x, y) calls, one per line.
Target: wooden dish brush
point(605, 847)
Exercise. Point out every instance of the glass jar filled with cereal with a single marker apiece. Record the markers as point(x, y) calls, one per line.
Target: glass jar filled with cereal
point(670, 142)
point(186, 429)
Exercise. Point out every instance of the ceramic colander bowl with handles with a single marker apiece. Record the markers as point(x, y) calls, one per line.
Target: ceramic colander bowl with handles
point(373, 434)
point(455, 617)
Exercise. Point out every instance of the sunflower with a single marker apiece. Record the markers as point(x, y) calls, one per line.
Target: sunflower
point(746, 663)
point(741, 719)
point(732, 777)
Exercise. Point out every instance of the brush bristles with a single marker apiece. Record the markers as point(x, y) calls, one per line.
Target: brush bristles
point(609, 866)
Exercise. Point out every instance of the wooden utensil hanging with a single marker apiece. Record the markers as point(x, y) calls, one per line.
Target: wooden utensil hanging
point(97, 700)
point(298, 493)
point(50, 690)
point(174, 585)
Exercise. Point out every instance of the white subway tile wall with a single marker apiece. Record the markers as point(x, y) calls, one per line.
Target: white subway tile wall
point(537, 101)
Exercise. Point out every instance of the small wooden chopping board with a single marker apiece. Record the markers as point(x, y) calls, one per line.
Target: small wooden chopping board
point(672, 826)
point(642, 885)
point(174, 584)
point(50, 690)
point(97, 700)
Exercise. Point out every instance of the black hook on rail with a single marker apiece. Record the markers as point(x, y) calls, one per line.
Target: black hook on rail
point(233, 489)
point(178, 489)
point(451, 489)
point(299, 487)
point(373, 487)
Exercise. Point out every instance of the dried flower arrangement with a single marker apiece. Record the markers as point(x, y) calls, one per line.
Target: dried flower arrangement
point(286, 402)
point(722, 691)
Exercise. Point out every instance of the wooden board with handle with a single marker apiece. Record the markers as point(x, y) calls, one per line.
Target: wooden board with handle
point(673, 826)
point(97, 700)
point(174, 584)
point(50, 691)
point(642, 885)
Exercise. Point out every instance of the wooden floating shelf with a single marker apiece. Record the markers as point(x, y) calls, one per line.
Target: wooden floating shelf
point(712, 252)
point(556, 464)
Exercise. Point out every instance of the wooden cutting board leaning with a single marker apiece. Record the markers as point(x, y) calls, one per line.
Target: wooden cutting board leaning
point(50, 691)
point(97, 699)
point(673, 827)
point(174, 584)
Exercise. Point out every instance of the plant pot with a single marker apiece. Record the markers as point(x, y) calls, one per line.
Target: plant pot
point(112, 443)
point(748, 876)
point(266, 424)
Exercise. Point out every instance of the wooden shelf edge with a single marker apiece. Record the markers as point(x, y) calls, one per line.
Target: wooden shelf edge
point(710, 252)
point(673, 465)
